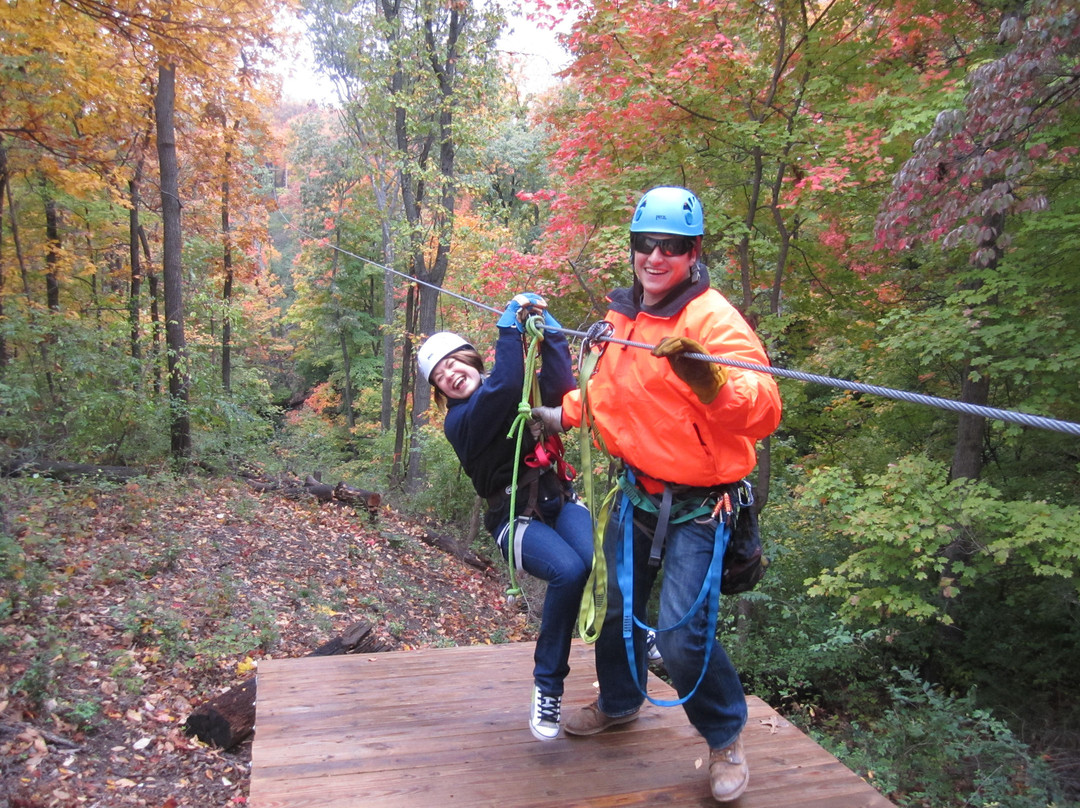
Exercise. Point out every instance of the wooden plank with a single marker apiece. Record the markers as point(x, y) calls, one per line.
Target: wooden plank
point(448, 727)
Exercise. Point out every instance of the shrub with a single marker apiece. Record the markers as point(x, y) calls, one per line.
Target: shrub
point(933, 749)
point(446, 492)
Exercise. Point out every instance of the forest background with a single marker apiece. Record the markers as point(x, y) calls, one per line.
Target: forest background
point(198, 277)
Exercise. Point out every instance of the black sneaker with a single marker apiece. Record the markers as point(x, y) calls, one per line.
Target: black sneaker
point(546, 714)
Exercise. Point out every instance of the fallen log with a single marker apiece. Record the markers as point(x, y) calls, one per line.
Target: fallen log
point(229, 718)
point(356, 639)
point(320, 490)
point(357, 496)
point(66, 472)
point(313, 486)
point(448, 544)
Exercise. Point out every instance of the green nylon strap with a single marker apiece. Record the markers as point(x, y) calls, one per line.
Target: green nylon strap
point(640, 500)
point(594, 598)
point(530, 388)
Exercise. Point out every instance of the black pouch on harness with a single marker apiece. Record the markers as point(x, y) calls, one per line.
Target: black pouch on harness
point(744, 561)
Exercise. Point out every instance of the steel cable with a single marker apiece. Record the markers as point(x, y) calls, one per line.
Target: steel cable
point(1009, 416)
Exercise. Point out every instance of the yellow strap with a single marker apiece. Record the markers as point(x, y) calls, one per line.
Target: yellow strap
point(594, 598)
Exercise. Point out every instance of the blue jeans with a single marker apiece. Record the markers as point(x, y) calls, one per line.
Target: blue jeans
point(560, 553)
point(718, 708)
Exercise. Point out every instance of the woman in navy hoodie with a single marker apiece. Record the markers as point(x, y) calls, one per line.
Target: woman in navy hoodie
point(553, 536)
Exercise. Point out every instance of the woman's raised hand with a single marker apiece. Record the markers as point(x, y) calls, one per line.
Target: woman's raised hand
point(520, 308)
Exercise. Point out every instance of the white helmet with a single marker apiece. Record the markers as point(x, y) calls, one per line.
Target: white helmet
point(436, 348)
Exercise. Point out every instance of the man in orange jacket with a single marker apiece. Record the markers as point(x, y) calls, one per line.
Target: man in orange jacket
point(686, 430)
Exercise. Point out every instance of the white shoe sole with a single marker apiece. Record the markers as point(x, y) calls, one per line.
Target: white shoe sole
point(542, 737)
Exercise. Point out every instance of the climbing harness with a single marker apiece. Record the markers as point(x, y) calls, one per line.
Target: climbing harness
point(550, 453)
point(669, 511)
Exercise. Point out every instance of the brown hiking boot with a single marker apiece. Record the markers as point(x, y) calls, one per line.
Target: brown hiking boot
point(589, 720)
point(729, 773)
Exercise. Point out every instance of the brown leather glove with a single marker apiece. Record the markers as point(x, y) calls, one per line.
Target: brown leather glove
point(704, 378)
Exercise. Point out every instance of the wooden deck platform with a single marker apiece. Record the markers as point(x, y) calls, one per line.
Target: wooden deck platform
point(448, 727)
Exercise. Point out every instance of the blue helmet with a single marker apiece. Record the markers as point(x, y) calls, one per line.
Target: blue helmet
point(669, 209)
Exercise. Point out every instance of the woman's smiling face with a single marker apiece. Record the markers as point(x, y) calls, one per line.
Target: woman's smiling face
point(455, 378)
point(659, 273)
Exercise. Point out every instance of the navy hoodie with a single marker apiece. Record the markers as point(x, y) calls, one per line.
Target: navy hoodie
point(477, 426)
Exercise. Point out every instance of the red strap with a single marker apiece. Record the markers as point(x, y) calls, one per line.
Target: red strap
point(550, 453)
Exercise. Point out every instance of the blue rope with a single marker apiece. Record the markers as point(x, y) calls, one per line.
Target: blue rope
point(708, 595)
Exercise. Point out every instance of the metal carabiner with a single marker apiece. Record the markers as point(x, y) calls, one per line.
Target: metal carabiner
point(708, 518)
point(596, 335)
point(746, 493)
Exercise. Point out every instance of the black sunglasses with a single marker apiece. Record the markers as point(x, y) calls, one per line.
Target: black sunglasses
point(670, 247)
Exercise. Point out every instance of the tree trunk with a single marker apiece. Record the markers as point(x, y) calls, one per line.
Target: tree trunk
point(346, 369)
point(13, 220)
point(136, 265)
point(343, 340)
point(52, 288)
point(444, 67)
point(358, 496)
point(745, 261)
point(388, 332)
point(52, 257)
point(397, 471)
point(448, 544)
point(66, 472)
point(764, 478)
point(226, 328)
point(227, 290)
point(970, 429)
point(164, 106)
point(475, 520)
point(429, 299)
point(968, 453)
point(3, 189)
point(13, 225)
point(155, 318)
point(226, 720)
point(293, 487)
